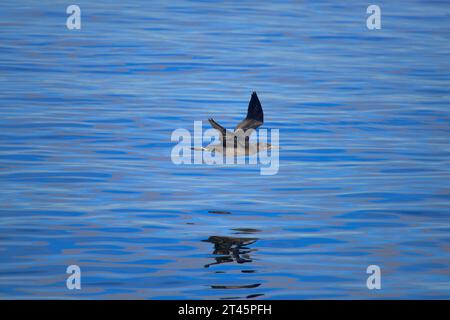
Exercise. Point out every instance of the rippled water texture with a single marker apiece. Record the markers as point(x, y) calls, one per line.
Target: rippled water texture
point(86, 176)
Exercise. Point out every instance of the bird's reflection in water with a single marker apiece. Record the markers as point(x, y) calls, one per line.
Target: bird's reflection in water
point(230, 249)
point(234, 249)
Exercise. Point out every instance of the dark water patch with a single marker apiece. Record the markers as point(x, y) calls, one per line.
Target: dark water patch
point(219, 212)
point(245, 230)
point(247, 286)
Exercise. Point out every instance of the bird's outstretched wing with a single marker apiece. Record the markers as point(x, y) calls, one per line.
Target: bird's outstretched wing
point(255, 115)
point(218, 127)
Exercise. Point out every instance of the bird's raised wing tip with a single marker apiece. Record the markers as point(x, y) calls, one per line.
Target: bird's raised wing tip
point(255, 115)
point(255, 109)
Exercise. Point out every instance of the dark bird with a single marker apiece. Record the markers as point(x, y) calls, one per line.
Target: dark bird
point(237, 142)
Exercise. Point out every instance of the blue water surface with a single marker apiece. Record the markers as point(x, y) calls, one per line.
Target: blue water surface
point(86, 118)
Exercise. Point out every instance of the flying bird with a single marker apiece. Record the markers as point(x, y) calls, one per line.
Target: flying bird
point(237, 142)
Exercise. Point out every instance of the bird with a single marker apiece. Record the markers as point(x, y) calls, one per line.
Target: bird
point(237, 142)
